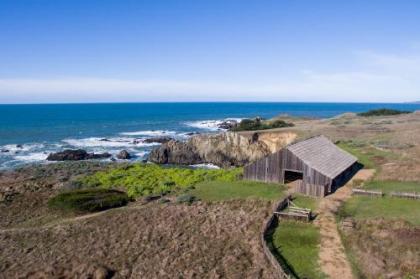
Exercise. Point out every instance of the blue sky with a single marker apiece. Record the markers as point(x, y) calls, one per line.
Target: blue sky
point(284, 50)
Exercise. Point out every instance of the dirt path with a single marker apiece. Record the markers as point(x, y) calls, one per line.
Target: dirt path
point(332, 257)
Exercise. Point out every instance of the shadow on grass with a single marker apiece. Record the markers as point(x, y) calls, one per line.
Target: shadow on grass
point(282, 261)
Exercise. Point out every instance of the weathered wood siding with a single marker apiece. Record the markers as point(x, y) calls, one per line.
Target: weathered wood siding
point(272, 168)
point(312, 189)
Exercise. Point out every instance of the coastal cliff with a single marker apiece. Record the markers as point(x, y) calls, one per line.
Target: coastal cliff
point(223, 149)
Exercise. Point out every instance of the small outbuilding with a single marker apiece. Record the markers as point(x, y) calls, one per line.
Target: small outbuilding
point(316, 166)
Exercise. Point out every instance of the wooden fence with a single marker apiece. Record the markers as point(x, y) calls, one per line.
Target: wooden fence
point(406, 195)
point(368, 193)
point(294, 212)
point(269, 225)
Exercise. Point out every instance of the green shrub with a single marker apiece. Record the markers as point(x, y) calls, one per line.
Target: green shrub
point(148, 179)
point(259, 124)
point(88, 200)
point(382, 112)
point(187, 198)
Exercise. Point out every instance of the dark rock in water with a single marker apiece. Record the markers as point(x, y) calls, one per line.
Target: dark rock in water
point(228, 124)
point(175, 152)
point(76, 155)
point(104, 140)
point(5, 150)
point(123, 155)
point(158, 140)
point(99, 155)
point(19, 146)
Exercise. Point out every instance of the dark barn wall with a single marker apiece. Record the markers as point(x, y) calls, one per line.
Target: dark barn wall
point(345, 176)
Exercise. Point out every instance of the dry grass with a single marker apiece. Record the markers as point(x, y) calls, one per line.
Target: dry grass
point(385, 249)
point(155, 241)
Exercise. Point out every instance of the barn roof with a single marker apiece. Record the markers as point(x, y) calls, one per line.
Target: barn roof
point(322, 155)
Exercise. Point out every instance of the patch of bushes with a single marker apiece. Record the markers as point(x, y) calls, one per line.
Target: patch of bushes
point(187, 198)
point(88, 200)
point(260, 124)
point(149, 179)
point(382, 112)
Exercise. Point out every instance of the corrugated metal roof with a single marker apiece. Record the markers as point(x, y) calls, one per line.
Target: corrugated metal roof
point(322, 155)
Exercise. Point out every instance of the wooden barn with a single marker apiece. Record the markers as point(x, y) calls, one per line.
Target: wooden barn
point(316, 165)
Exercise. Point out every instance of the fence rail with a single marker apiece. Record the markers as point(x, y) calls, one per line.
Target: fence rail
point(367, 193)
point(269, 225)
point(406, 195)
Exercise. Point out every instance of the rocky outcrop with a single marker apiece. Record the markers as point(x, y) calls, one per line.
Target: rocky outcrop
point(123, 155)
point(158, 140)
point(175, 152)
point(228, 124)
point(76, 155)
point(224, 150)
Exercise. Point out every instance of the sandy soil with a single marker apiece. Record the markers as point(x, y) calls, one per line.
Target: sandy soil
point(333, 260)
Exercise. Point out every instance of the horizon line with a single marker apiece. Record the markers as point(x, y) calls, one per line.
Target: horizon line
point(206, 102)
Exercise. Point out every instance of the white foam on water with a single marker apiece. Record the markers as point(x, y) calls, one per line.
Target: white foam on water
point(15, 148)
point(141, 154)
point(211, 125)
point(32, 157)
point(107, 142)
point(205, 166)
point(151, 133)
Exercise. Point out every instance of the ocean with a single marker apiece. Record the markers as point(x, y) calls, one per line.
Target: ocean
point(28, 133)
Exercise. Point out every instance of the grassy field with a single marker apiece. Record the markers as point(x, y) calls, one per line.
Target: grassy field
point(366, 154)
point(222, 190)
point(146, 179)
point(305, 201)
point(298, 243)
point(387, 208)
point(389, 186)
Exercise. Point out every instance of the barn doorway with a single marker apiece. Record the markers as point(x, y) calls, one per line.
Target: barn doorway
point(293, 179)
point(291, 176)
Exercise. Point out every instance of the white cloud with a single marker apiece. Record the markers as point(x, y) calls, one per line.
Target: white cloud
point(387, 78)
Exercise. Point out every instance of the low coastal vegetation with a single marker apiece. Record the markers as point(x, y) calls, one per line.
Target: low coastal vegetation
point(222, 190)
point(297, 243)
point(88, 200)
point(388, 186)
point(260, 124)
point(382, 227)
point(148, 179)
point(382, 112)
point(369, 156)
point(388, 208)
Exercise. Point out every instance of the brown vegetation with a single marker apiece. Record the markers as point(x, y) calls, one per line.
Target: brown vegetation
point(152, 241)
